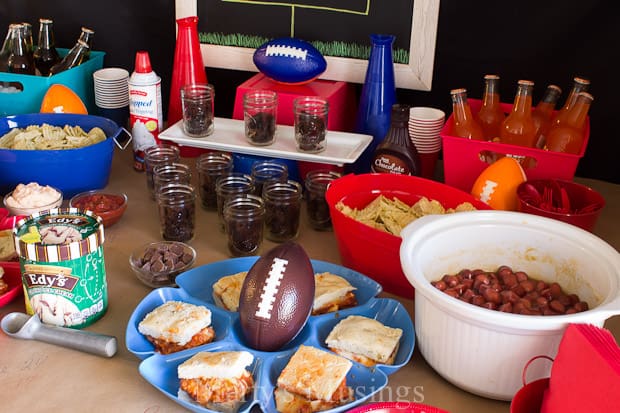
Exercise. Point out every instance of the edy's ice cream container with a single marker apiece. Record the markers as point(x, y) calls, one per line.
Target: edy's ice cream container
point(62, 265)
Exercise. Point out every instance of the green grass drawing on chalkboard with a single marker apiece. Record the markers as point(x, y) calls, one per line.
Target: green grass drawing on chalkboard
point(338, 49)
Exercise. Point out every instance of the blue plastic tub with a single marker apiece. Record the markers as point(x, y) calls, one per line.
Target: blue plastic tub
point(31, 89)
point(70, 170)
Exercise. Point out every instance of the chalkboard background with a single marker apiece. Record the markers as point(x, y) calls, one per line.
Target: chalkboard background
point(326, 21)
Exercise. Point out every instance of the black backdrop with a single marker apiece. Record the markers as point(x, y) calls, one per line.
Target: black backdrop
point(545, 41)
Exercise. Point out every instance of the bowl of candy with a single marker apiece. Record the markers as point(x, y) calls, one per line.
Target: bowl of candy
point(157, 264)
point(369, 210)
point(566, 201)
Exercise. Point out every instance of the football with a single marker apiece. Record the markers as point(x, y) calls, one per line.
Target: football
point(289, 60)
point(276, 297)
point(498, 182)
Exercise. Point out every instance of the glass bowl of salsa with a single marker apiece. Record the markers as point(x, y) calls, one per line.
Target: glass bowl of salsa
point(108, 205)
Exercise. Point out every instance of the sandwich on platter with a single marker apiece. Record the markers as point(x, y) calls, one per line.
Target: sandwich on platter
point(217, 380)
point(332, 293)
point(365, 340)
point(312, 381)
point(176, 326)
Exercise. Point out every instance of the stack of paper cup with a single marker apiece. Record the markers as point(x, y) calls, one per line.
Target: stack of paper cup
point(111, 87)
point(425, 123)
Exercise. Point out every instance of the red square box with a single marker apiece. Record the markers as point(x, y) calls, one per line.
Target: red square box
point(340, 96)
point(462, 157)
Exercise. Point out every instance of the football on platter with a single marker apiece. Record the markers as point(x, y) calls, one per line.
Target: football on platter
point(276, 297)
point(498, 182)
point(289, 60)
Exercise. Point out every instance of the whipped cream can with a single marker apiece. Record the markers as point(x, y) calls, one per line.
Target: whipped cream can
point(145, 108)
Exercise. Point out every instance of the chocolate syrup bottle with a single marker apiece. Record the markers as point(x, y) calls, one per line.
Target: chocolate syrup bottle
point(396, 153)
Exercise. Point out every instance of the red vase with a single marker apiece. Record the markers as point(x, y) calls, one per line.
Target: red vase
point(188, 68)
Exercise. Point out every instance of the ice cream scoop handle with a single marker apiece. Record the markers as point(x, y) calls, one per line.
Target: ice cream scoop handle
point(98, 344)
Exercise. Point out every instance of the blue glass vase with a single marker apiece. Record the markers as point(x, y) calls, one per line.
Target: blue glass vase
point(377, 97)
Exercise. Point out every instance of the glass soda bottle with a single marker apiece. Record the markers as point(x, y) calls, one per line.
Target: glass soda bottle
point(465, 125)
point(28, 36)
point(396, 154)
point(491, 114)
point(580, 84)
point(543, 112)
point(518, 128)
point(87, 35)
point(75, 57)
point(45, 54)
point(7, 46)
point(569, 135)
point(20, 60)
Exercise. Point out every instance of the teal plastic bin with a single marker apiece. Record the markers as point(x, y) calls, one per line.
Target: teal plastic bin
point(31, 89)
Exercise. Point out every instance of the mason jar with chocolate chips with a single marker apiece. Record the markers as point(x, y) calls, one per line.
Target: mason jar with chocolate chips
point(283, 209)
point(176, 203)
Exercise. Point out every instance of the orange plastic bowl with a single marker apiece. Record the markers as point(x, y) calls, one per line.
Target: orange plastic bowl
point(368, 250)
point(579, 196)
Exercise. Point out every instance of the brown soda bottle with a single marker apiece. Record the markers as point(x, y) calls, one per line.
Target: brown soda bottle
point(21, 60)
point(543, 112)
point(580, 84)
point(45, 54)
point(491, 114)
point(396, 154)
point(569, 135)
point(87, 35)
point(28, 35)
point(7, 46)
point(75, 57)
point(465, 124)
point(518, 128)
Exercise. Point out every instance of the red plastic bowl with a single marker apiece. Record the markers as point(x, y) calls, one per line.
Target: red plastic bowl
point(13, 277)
point(397, 407)
point(579, 196)
point(373, 252)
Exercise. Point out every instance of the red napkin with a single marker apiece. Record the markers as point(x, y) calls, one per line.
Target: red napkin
point(585, 376)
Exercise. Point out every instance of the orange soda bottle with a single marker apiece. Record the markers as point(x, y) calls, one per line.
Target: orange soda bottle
point(491, 114)
point(569, 135)
point(580, 84)
point(465, 125)
point(518, 128)
point(543, 112)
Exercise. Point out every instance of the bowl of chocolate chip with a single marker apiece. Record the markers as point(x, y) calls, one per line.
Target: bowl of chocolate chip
point(494, 289)
point(157, 264)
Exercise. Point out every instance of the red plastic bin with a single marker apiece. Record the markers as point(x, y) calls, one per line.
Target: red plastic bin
point(462, 161)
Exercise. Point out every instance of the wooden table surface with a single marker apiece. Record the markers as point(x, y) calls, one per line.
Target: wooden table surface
point(39, 377)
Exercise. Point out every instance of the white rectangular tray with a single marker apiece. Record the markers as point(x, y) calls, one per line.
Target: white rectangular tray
point(229, 136)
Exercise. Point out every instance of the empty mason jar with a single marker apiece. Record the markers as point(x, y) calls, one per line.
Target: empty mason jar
point(268, 171)
point(259, 114)
point(318, 211)
point(244, 218)
point(231, 185)
point(310, 123)
point(210, 167)
point(177, 211)
point(170, 173)
point(282, 210)
point(160, 154)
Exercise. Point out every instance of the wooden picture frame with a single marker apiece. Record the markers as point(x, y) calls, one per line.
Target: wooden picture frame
point(418, 74)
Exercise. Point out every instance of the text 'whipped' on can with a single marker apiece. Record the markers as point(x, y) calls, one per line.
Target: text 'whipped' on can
point(145, 108)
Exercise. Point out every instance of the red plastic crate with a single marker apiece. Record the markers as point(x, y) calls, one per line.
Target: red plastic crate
point(462, 157)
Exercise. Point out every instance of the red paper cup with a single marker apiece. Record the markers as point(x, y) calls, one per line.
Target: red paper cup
point(428, 162)
point(530, 397)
